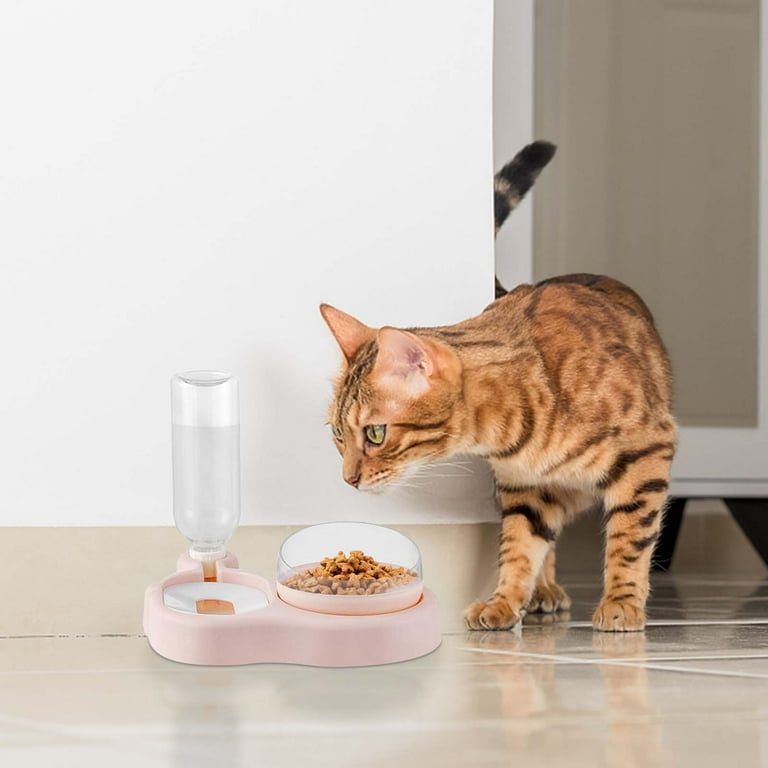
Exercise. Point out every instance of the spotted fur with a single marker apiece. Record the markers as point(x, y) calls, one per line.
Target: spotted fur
point(564, 387)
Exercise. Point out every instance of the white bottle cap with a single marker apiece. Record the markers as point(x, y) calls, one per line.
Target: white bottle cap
point(205, 399)
point(207, 557)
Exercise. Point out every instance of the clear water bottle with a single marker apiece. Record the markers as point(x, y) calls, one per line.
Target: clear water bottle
point(206, 460)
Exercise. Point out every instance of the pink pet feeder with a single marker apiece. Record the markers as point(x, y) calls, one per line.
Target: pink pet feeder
point(211, 612)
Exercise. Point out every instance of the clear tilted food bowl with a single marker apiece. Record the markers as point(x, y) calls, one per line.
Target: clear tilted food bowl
point(349, 569)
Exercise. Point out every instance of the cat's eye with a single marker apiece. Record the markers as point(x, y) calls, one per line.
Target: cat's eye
point(375, 433)
point(337, 433)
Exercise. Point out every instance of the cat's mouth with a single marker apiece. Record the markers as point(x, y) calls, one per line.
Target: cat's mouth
point(390, 479)
point(375, 489)
point(379, 481)
point(375, 486)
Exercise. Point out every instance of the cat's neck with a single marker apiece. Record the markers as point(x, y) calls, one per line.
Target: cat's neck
point(494, 396)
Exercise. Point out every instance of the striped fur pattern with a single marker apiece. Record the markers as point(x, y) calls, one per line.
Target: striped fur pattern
point(564, 387)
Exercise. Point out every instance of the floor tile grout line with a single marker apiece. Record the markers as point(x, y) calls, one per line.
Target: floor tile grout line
point(745, 621)
point(690, 670)
point(650, 625)
point(734, 657)
point(72, 636)
point(215, 669)
point(450, 633)
point(615, 663)
point(632, 659)
point(523, 654)
point(264, 726)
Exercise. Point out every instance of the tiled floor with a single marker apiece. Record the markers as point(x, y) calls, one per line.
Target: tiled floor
point(690, 691)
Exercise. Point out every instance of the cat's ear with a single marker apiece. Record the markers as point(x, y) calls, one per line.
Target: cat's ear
point(404, 360)
point(351, 334)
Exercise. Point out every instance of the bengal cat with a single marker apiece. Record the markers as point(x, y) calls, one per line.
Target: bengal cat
point(563, 386)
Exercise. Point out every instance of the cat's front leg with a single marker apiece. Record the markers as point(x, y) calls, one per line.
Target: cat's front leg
point(529, 527)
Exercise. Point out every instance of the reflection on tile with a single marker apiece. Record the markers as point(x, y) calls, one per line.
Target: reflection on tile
point(664, 642)
point(437, 710)
point(684, 692)
point(683, 598)
point(722, 666)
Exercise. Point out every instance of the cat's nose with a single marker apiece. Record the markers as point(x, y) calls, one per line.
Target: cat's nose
point(353, 480)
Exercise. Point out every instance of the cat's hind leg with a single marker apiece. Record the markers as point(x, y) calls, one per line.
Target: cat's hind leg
point(529, 527)
point(548, 595)
point(635, 493)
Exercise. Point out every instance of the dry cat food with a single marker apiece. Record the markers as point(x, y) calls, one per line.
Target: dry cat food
point(358, 574)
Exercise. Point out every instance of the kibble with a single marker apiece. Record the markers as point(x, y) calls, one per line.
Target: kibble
point(358, 574)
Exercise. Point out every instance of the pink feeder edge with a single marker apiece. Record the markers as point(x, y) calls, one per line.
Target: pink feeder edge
point(281, 633)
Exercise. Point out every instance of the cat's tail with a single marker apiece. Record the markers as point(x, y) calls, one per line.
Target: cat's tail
point(512, 182)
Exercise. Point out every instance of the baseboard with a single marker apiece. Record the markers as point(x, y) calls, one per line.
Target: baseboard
point(85, 581)
point(70, 581)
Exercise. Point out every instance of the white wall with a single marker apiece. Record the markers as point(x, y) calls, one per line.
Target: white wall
point(513, 101)
point(180, 185)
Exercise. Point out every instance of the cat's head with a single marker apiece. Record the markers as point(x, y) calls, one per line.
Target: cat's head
point(395, 401)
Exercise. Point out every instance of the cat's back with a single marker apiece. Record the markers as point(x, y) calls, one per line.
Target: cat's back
point(593, 308)
point(583, 290)
point(590, 333)
point(576, 294)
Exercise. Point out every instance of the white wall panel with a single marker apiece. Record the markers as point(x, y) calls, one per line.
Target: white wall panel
point(180, 185)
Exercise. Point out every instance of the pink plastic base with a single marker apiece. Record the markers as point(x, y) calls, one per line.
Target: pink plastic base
point(280, 633)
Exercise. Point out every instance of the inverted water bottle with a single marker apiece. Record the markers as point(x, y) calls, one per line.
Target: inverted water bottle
point(206, 461)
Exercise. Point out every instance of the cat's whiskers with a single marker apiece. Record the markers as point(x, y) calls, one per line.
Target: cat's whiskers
point(424, 470)
point(409, 482)
point(427, 465)
point(466, 467)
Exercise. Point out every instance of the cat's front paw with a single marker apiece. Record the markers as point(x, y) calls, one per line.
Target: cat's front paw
point(497, 613)
point(619, 616)
point(548, 598)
